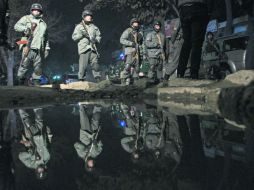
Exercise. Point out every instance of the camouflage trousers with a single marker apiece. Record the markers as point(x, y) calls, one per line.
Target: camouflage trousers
point(85, 59)
point(156, 65)
point(89, 124)
point(131, 69)
point(34, 57)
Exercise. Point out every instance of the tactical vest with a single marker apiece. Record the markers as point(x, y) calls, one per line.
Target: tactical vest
point(183, 2)
point(132, 39)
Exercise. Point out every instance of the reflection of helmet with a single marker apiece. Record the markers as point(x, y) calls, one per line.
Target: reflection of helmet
point(36, 6)
point(135, 156)
point(86, 13)
point(41, 172)
point(134, 20)
point(89, 164)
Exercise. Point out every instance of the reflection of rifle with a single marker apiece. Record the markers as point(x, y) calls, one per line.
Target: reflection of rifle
point(92, 145)
point(165, 123)
point(90, 39)
point(139, 140)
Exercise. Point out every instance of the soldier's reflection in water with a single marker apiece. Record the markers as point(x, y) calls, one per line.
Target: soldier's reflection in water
point(88, 147)
point(134, 132)
point(36, 138)
point(150, 133)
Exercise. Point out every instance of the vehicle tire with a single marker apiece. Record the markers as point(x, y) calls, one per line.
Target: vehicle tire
point(224, 71)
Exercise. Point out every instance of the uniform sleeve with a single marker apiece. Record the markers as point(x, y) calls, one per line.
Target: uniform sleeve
point(126, 144)
point(124, 39)
point(77, 34)
point(98, 35)
point(149, 42)
point(125, 110)
point(21, 25)
point(25, 158)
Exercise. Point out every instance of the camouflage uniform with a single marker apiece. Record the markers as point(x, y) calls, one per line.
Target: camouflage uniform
point(39, 136)
point(154, 139)
point(132, 131)
point(156, 45)
point(39, 45)
point(132, 41)
point(86, 49)
point(88, 146)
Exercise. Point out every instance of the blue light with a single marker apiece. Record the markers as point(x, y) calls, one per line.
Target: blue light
point(121, 56)
point(56, 77)
point(239, 29)
point(43, 80)
point(122, 123)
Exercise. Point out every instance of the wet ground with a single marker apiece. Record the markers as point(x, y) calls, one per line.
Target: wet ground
point(122, 146)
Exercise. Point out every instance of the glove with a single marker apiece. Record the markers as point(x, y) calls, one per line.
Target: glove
point(46, 53)
point(27, 32)
point(133, 44)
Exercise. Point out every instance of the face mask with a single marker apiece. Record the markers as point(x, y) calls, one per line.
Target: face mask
point(135, 27)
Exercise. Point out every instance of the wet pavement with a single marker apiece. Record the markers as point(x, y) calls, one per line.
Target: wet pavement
point(122, 146)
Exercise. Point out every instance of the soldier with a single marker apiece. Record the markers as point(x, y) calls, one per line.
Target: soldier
point(88, 148)
point(37, 47)
point(87, 35)
point(194, 19)
point(154, 139)
point(36, 139)
point(133, 142)
point(156, 45)
point(211, 44)
point(132, 40)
